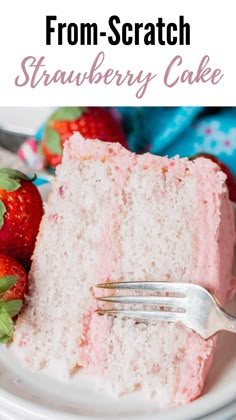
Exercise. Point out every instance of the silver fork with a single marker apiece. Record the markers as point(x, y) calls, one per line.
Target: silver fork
point(191, 305)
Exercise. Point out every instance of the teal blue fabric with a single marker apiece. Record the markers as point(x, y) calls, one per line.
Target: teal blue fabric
point(40, 181)
point(183, 131)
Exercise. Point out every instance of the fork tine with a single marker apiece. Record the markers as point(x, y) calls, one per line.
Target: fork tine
point(159, 286)
point(175, 302)
point(158, 315)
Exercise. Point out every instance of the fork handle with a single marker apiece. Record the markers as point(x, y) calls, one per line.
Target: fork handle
point(230, 323)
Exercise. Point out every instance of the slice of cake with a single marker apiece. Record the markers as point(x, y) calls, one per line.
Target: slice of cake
point(117, 216)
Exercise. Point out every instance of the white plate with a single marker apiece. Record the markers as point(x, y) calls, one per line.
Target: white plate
point(28, 396)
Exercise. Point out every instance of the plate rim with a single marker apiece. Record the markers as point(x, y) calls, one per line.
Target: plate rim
point(200, 408)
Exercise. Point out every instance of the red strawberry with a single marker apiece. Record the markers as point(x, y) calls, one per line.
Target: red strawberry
point(92, 123)
point(21, 210)
point(13, 286)
point(230, 181)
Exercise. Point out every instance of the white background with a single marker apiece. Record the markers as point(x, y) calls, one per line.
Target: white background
point(213, 32)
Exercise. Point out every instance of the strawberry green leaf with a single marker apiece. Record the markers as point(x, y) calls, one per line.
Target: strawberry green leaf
point(12, 307)
point(2, 212)
point(53, 141)
point(9, 184)
point(68, 113)
point(14, 174)
point(10, 179)
point(6, 327)
point(7, 282)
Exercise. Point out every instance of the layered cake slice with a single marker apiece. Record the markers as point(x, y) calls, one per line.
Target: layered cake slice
point(116, 216)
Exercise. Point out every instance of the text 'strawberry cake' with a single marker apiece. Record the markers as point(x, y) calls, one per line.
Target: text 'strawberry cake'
point(117, 216)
